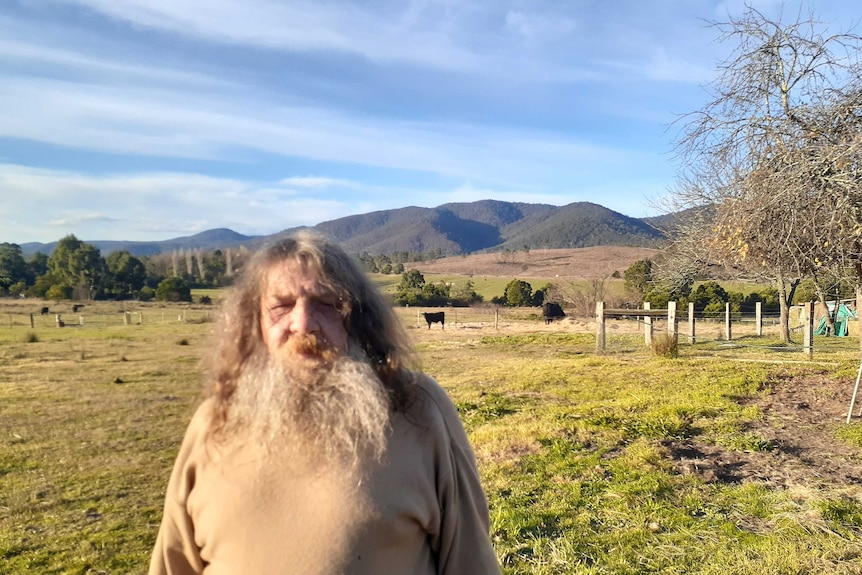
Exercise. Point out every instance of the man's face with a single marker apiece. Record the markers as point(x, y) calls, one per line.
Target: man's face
point(297, 312)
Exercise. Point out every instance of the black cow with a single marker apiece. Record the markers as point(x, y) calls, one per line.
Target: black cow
point(434, 317)
point(76, 307)
point(552, 311)
point(45, 311)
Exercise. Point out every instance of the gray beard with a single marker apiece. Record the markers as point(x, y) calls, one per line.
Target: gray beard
point(338, 414)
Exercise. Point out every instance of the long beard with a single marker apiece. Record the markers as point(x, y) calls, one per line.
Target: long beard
point(305, 400)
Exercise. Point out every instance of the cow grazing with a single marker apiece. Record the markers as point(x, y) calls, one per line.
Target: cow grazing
point(76, 307)
point(45, 311)
point(435, 317)
point(552, 311)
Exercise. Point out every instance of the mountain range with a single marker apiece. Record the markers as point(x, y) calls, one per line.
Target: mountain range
point(449, 229)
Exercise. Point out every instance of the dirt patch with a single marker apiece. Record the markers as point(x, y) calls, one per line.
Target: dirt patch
point(802, 414)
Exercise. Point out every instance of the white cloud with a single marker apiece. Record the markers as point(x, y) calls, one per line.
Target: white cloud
point(297, 25)
point(538, 27)
point(318, 182)
point(147, 206)
point(158, 123)
point(70, 60)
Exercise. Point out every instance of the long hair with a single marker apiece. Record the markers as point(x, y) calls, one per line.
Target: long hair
point(370, 322)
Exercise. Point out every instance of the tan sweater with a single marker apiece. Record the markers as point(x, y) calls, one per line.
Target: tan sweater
point(421, 511)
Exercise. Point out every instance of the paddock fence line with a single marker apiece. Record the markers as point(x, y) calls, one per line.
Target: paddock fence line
point(802, 321)
point(102, 319)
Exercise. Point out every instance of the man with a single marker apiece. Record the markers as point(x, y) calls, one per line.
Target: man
point(318, 450)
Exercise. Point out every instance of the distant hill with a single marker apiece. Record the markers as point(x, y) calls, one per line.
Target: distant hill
point(490, 225)
point(450, 229)
point(207, 240)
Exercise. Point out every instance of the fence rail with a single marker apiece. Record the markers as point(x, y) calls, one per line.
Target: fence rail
point(96, 319)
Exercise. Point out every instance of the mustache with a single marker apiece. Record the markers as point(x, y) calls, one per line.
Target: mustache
point(312, 346)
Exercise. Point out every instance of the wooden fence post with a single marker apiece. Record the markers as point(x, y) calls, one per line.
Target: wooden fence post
point(727, 331)
point(647, 326)
point(600, 326)
point(691, 337)
point(808, 329)
point(32, 322)
point(758, 317)
point(672, 322)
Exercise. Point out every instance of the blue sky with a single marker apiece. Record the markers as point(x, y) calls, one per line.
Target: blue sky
point(152, 119)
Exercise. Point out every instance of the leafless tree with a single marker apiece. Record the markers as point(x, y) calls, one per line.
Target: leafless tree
point(773, 160)
point(199, 258)
point(582, 298)
point(175, 263)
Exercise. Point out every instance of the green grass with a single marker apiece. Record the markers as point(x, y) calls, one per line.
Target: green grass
point(490, 286)
point(570, 447)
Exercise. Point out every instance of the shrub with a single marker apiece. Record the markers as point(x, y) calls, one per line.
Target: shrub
point(173, 289)
point(146, 294)
point(58, 292)
point(518, 293)
point(31, 337)
point(665, 345)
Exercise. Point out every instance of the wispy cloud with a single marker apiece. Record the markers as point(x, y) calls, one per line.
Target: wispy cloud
point(538, 27)
point(156, 123)
point(318, 182)
point(261, 115)
point(139, 206)
point(299, 26)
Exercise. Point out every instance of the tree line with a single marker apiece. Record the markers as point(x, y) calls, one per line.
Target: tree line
point(710, 297)
point(77, 270)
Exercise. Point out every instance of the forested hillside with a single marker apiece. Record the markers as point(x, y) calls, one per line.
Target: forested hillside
point(449, 229)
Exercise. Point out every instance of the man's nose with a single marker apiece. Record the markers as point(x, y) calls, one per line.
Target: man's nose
point(303, 318)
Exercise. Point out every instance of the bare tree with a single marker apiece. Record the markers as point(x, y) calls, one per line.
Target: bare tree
point(772, 161)
point(582, 297)
point(199, 258)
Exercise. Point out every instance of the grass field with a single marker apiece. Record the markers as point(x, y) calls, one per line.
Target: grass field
point(490, 287)
point(579, 453)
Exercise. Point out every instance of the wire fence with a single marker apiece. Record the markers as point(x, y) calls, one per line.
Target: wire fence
point(97, 320)
point(623, 334)
point(626, 335)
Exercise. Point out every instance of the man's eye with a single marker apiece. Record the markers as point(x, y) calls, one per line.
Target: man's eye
point(330, 306)
point(282, 307)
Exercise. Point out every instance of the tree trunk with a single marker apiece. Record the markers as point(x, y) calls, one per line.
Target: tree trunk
point(784, 315)
point(830, 315)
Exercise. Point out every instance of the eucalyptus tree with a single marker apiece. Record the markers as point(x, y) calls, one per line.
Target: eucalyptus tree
point(127, 273)
point(13, 267)
point(77, 265)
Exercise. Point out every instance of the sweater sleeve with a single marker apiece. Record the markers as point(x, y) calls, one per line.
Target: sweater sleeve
point(176, 552)
point(464, 544)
